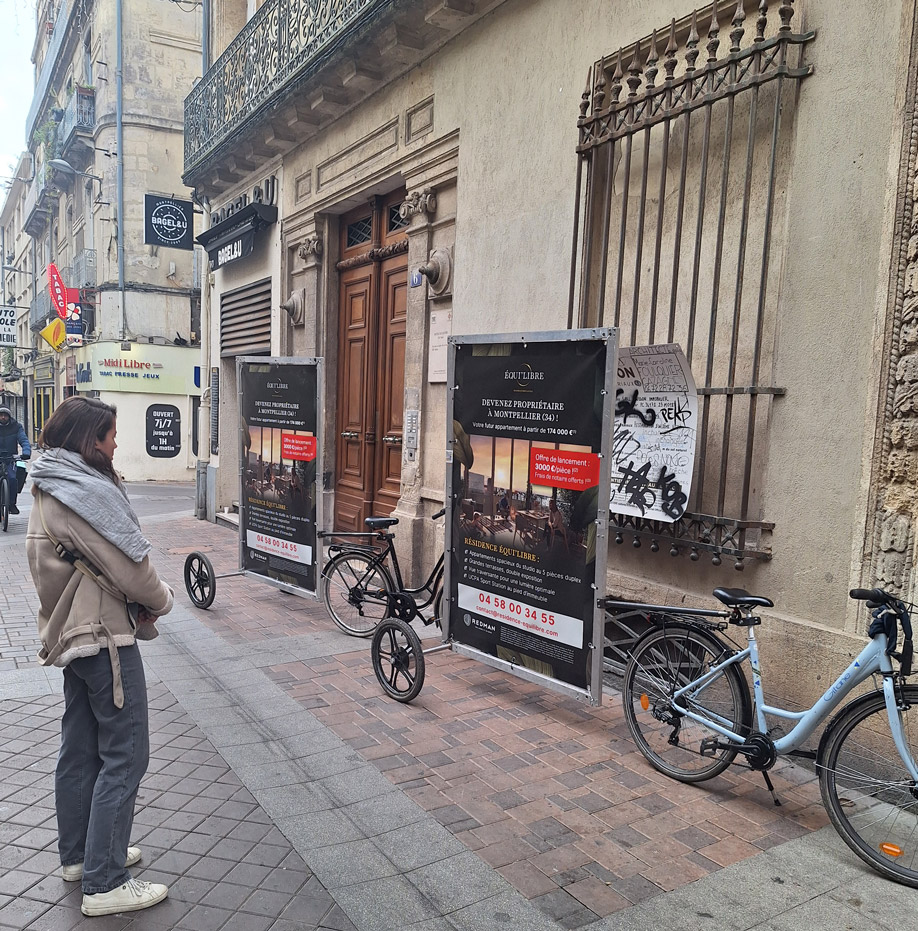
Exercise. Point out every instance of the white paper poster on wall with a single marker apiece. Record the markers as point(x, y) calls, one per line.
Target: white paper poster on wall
point(441, 325)
point(656, 425)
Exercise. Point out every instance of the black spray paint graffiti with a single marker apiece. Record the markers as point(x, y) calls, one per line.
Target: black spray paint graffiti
point(677, 413)
point(627, 407)
point(642, 491)
point(624, 445)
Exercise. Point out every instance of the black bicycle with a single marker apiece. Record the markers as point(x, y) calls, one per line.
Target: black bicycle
point(362, 583)
point(365, 594)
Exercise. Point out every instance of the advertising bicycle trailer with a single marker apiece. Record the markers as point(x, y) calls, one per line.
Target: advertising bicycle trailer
point(527, 488)
point(280, 446)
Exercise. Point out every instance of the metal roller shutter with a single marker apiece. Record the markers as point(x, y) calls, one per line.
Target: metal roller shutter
point(245, 320)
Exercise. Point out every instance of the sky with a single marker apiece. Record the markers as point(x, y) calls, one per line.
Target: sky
point(17, 33)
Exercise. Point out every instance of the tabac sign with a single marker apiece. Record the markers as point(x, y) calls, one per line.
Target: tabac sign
point(58, 291)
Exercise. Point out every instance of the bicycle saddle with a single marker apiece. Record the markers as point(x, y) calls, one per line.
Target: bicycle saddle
point(380, 523)
point(739, 597)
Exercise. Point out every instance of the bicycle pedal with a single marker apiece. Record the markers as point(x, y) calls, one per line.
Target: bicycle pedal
point(709, 746)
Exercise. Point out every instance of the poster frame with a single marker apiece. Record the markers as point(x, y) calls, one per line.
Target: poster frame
point(318, 554)
point(592, 695)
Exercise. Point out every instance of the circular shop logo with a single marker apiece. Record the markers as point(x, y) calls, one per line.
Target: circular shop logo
point(468, 620)
point(169, 222)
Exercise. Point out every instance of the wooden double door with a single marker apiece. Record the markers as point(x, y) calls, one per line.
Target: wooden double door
point(373, 285)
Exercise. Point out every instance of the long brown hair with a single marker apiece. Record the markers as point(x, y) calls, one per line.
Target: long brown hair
point(76, 425)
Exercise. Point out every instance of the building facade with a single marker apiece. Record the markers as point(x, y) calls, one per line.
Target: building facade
point(103, 144)
point(734, 178)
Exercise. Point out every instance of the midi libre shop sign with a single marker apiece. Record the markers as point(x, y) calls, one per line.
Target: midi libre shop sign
point(143, 369)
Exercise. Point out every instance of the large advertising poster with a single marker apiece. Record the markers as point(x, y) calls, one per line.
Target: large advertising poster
point(530, 418)
point(278, 404)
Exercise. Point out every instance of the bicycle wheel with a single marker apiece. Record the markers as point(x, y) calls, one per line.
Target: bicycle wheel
point(398, 659)
point(870, 797)
point(200, 581)
point(663, 660)
point(356, 593)
point(4, 503)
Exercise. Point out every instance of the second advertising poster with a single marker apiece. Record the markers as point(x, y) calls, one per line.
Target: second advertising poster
point(529, 419)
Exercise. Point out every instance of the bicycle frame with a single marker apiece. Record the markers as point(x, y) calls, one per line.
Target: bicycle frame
point(388, 554)
point(871, 660)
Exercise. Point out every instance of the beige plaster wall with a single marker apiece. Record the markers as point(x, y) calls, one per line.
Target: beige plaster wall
point(509, 89)
point(162, 59)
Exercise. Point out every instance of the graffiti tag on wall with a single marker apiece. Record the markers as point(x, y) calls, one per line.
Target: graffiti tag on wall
point(656, 421)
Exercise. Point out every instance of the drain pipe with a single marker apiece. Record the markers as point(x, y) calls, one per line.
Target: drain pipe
point(204, 410)
point(203, 463)
point(119, 145)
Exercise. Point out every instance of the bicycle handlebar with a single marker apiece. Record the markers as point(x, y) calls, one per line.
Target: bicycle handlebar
point(873, 594)
point(884, 621)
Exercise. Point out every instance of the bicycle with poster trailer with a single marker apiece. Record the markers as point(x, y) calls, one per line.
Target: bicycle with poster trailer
point(366, 596)
point(688, 708)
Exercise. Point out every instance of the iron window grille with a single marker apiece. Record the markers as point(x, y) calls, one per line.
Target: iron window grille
point(395, 220)
point(359, 232)
point(679, 184)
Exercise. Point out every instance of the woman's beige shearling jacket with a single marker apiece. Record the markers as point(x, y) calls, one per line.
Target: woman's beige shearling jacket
point(79, 616)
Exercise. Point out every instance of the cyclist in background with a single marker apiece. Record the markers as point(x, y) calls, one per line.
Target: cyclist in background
point(12, 437)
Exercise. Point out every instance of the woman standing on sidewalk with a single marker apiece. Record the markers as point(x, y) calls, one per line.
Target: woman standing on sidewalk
point(98, 593)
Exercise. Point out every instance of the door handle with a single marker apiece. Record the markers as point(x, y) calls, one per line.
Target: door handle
point(349, 434)
point(394, 440)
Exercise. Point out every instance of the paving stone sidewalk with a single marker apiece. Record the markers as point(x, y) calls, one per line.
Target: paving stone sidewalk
point(201, 832)
point(487, 803)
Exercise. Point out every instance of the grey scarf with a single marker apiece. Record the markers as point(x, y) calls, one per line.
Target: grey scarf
point(67, 476)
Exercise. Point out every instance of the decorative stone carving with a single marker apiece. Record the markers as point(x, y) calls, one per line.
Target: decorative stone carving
point(312, 246)
point(376, 254)
point(418, 202)
point(438, 271)
point(295, 305)
point(890, 555)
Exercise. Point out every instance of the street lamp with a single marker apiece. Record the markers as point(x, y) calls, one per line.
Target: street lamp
point(58, 164)
point(13, 268)
point(21, 271)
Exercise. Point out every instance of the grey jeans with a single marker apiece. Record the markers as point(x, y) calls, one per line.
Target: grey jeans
point(104, 754)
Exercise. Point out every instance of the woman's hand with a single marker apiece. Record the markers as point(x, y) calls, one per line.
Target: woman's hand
point(144, 616)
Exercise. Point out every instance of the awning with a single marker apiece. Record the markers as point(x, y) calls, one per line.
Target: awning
point(234, 238)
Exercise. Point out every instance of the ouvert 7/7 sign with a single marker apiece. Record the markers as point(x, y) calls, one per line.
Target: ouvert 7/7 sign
point(530, 416)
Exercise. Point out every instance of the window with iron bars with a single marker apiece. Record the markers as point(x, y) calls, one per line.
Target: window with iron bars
point(682, 163)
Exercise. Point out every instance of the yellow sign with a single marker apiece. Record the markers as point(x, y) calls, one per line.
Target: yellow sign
point(54, 334)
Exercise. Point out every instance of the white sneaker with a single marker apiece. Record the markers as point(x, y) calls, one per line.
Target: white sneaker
point(134, 895)
point(74, 872)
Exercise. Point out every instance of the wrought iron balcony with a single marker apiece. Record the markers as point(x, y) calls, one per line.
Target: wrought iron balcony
point(298, 64)
point(78, 121)
point(273, 47)
point(37, 210)
point(66, 11)
point(40, 310)
point(83, 274)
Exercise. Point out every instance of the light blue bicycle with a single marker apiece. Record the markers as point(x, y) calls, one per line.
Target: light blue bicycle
point(688, 707)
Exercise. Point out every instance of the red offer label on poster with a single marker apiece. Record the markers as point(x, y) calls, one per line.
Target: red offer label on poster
point(301, 448)
point(559, 468)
